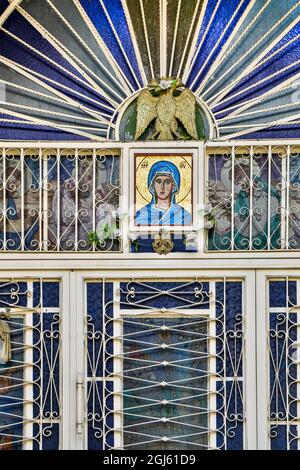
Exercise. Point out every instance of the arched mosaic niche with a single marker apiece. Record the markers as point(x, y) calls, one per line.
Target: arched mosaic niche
point(127, 122)
point(68, 66)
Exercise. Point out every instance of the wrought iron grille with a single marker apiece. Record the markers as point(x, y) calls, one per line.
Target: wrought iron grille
point(59, 200)
point(284, 360)
point(254, 196)
point(165, 364)
point(30, 397)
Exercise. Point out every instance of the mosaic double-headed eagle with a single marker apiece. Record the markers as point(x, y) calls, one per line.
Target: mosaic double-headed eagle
point(166, 109)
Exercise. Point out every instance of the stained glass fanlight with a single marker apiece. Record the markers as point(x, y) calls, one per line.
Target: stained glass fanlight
point(71, 68)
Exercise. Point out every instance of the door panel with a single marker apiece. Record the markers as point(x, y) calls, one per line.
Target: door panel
point(279, 358)
point(30, 367)
point(165, 364)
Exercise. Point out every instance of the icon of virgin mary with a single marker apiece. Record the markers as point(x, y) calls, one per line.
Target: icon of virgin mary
point(164, 185)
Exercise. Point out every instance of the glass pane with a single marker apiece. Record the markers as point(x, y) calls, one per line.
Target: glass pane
point(165, 390)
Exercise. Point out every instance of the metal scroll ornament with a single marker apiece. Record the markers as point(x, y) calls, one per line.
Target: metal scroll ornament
point(170, 104)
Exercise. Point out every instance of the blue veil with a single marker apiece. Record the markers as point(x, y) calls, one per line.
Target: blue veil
point(164, 168)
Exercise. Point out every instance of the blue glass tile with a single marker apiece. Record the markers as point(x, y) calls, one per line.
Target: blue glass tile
point(117, 15)
point(288, 37)
point(95, 416)
point(97, 15)
point(15, 131)
point(291, 131)
point(144, 245)
point(277, 293)
point(94, 309)
point(109, 389)
point(230, 432)
point(13, 50)
point(283, 437)
point(224, 14)
point(49, 437)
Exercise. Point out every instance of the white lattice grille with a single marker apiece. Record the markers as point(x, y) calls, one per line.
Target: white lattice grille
point(165, 365)
point(253, 193)
point(30, 397)
point(59, 200)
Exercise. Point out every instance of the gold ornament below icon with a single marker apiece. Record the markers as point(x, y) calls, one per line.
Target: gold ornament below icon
point(163, 244)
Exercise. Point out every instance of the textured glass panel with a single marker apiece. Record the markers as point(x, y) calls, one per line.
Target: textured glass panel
point(59, 200)
point(83, 192)
point(19, 53)
point(294, 199)
point(165, 388)
point(56, 26)
point(99, 349)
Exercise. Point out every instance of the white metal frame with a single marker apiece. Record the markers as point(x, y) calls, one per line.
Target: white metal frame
point(262, 313)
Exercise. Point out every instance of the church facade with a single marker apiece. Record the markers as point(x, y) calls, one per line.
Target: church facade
point(149, 224)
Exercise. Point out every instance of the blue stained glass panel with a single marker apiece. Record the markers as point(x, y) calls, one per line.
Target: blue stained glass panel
point(3, 4)
point(100, 434)
point(185, 351)
point(19, 53)
point(224, 15)
point(11, 392)
point(97, 15)
point(117, 15)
